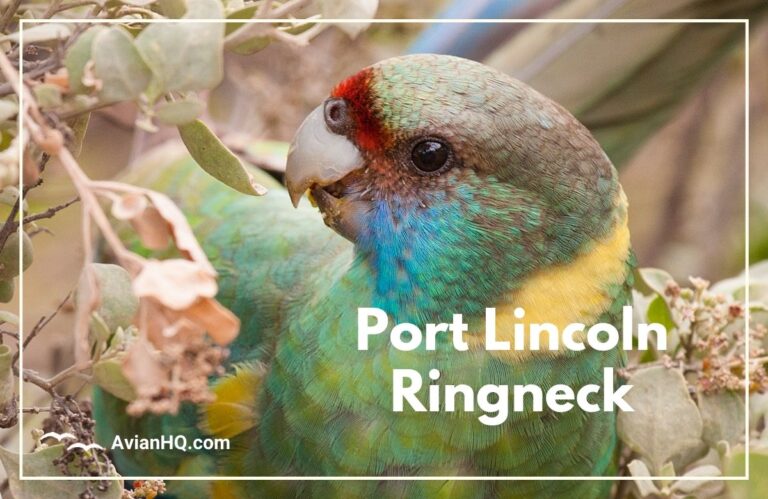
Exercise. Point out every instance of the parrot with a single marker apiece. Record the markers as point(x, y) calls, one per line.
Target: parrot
point(437, 185)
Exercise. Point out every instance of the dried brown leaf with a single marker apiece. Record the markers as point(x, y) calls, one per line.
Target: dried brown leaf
point(182, 233)
point(129, 205)
point(142, 367)
point(220, 323)
point(152, 229)
point(176, 283)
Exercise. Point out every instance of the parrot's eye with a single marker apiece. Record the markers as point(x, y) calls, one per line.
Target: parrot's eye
point(429, 156)
point(337, 115)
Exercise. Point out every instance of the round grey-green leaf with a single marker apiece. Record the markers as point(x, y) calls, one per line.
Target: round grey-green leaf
point(108, 374)
point(78, 55)
point(40, 463)
point(47, 95)
point(665, 422)
point(652, 281)
point(723, 417)
point(117, 303)
point(117, 63)
point(185, 56)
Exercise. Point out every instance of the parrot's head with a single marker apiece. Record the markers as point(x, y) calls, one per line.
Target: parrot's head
point(453, 180)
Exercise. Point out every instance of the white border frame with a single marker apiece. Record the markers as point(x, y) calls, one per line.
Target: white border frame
point(745, 477)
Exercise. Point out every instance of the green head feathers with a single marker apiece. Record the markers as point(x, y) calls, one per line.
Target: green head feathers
point(461, 182)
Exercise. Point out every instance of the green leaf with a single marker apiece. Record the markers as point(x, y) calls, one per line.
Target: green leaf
point(40, 463)
point(7, 385)
point(99, 328)
point(757, 485)
point(253, 45)
point(665, 422)
point(7, 287)
point(723, 417)
point(117, 303)
point(185, 56)
point(216, 159)
point(179, 112)
point(652, 281)
point(243, 13)
point(667, 470)
point(117, 63)
point(9, 195)
point(9, 255)
point(658, 311)
point(77, 57)
point(47, 95)
point(41, 33)
point(108, 374)
point(172, 9)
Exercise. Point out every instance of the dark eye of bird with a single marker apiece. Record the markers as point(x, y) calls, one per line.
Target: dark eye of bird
point(429, 156)
point(337, 115)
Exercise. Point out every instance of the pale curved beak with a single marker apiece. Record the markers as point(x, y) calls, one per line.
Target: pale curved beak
point(318, 156)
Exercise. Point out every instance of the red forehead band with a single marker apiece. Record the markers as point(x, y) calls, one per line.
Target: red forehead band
point(369, 133)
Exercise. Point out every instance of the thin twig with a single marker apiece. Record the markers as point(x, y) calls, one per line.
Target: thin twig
point(9, 333)
point(35, 410)
point(50, 211)
point(40, 325)
point(10, 224)
point(30, 377)
point(72, 370)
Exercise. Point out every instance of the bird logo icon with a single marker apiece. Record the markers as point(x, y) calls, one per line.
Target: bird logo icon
point(67, 436)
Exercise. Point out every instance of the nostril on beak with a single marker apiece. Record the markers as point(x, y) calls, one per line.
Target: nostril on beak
point(337, 117)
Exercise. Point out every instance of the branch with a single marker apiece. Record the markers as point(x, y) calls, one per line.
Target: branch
point(30, 377)
point(40, 325)
point(10, 224)
point(50, 211)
